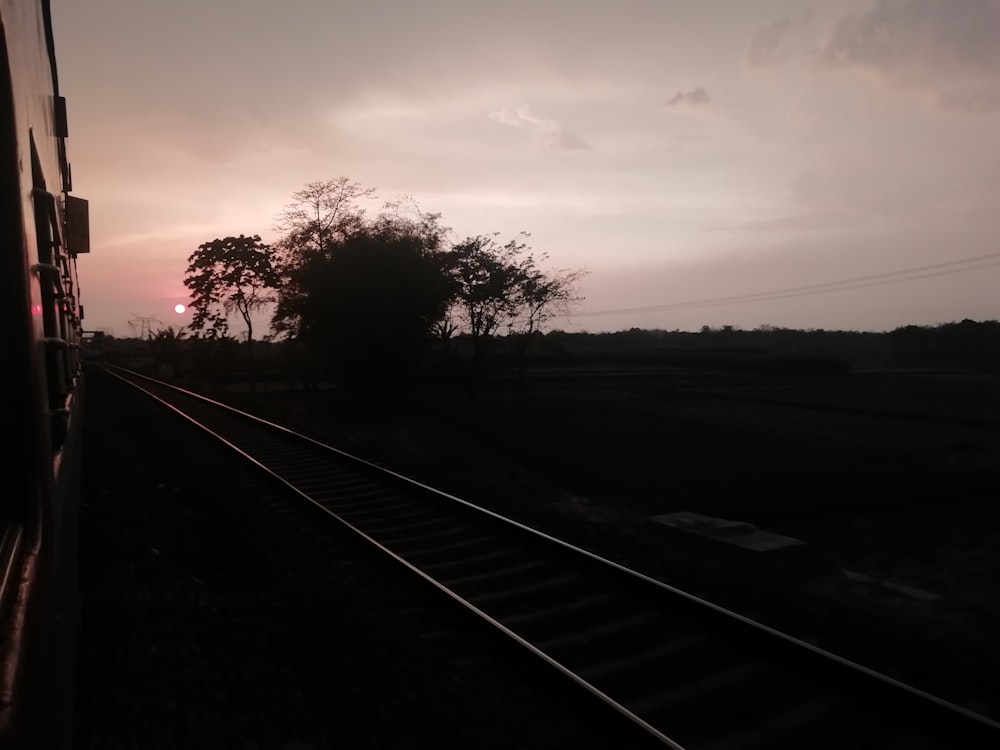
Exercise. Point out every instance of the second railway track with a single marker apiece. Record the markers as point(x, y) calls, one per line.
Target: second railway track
point(690, 674)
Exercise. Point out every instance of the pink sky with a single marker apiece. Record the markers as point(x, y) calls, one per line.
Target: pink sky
point(680, 151)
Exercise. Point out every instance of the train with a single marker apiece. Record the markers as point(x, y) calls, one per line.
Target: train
point(43, 229)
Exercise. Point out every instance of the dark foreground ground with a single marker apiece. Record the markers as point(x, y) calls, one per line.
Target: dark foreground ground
point(209, 621)
point(206, 622)
point(889, 478)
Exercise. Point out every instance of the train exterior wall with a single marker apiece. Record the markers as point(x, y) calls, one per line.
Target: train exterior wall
point(41, 390)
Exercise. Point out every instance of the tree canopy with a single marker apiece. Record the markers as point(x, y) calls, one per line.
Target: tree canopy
point(233, 273)
point(319, 215)
point(500, 287)
point(368, 306)
point(318, 218)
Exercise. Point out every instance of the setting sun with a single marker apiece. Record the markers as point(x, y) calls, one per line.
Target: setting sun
point(179, 309)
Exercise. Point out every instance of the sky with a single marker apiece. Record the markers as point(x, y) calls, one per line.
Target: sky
point(683, 152)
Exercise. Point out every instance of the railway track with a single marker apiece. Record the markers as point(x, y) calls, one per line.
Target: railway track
point(688, 673)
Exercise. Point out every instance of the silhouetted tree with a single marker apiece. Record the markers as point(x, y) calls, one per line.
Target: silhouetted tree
point(540, 298)
point(320, 216)
point(445, 328)
point(370, 303)
point(543, 297)
point(234, 273)
point(320, 213)
point(501, 286)
point(489, 277)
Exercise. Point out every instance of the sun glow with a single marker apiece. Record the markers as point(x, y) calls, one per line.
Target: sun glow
point(179, 309)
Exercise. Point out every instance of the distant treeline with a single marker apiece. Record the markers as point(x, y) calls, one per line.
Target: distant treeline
point(967, 336)
point(763, 349)
point(965, 342)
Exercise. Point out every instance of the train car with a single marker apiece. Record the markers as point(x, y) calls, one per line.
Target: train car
point(42, 230)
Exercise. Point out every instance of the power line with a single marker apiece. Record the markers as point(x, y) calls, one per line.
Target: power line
point(856, 282)
point(141, 325)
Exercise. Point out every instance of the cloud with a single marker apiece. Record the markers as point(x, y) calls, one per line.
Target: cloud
point(941, 50)
point(769, 44)
point(546, 130)
point(696, 97)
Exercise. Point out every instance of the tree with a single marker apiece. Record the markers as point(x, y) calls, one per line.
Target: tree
point(369, 305)
point(541, 297)
point(318, 218)
point(234, 273)
point(501, 286)
point(489, 277)
point(321, 213)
